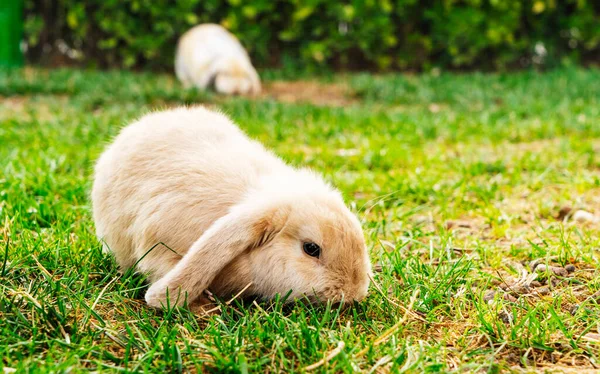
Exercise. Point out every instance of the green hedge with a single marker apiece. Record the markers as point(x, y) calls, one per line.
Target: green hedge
point(379, 34)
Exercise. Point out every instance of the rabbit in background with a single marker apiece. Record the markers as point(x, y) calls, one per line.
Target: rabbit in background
point(235, 216)
point(208, 55)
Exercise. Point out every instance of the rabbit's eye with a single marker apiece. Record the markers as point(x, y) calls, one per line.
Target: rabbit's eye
point(312, 249)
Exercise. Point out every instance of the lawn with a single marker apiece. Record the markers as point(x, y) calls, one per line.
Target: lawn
point(466, 185)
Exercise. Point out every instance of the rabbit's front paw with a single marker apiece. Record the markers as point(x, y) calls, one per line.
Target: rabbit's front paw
point(160, 295)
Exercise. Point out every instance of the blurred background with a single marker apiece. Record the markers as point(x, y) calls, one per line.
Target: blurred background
point(375, 35)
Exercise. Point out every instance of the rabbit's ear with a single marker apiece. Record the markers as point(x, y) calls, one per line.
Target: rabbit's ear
point(245, 227)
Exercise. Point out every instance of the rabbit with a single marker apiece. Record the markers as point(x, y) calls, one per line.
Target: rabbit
point(189, 199)
point(209, 54)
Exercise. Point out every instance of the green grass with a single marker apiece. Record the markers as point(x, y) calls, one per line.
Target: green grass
point(458, 180)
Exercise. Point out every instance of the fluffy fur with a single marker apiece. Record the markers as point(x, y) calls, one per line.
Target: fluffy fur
point(232, 212)
point(209, 54)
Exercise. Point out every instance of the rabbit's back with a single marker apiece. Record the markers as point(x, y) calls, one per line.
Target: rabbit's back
point(200, 48)
point(211, 38)
point(166, 179)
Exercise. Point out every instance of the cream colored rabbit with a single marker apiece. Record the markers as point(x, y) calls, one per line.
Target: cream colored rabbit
point(232, 212)
point(209, 54)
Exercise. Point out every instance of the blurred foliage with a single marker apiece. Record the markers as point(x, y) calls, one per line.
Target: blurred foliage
point(378, 34)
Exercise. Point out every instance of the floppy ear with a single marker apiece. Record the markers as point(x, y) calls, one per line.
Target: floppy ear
point(245, 227)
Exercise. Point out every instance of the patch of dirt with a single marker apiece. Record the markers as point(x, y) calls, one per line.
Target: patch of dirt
point(453, 224)
point(14, 102)
point(323, 94)
point(467, 226)
point(30, 106)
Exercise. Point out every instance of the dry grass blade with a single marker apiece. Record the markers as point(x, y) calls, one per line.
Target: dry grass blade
point(230, 300)
point(42, 268)
point(38, 305)
point(102, 293)
point(334, 352)
point(110, 335)
point(392, 329)
point(26, 295)
point(405, 309)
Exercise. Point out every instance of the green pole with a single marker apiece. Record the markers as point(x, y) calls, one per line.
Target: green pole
point(11, 33)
